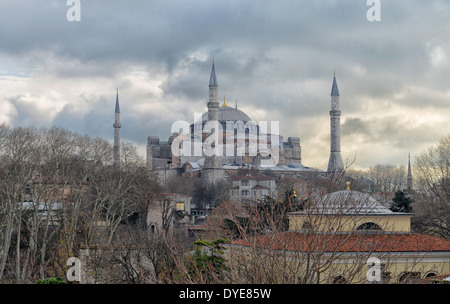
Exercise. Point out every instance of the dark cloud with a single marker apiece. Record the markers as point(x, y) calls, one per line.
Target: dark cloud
point(355, 126)
point(274, 56)
point(96, 122)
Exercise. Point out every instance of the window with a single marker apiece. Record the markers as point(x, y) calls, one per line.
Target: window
point(369, 226)
point(409, 277)
point(244, 183)
point(431, 274)
point(339, 280)
point(180, 206)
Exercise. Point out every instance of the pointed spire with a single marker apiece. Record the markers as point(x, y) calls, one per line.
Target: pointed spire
point(235, 104)
point(409, 179)
point(334, 89)
point(409, 166)
point(213, 78)
point(117, 127)
point(117, 102)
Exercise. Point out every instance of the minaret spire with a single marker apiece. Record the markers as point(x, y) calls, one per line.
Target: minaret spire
point(334, 89)
point(213, 78)
point(335, 163)
point(409, 180)
point(117, 102)
point(117, 127)
point(213, 169)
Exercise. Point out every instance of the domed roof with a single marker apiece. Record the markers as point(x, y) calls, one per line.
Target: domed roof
point(349, 202)
point(229, 114)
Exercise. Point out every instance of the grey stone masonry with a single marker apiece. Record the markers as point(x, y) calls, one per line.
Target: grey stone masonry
point(292, 150)
point(159, 153)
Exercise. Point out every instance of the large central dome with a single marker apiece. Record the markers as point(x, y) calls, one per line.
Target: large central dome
point(229, 114)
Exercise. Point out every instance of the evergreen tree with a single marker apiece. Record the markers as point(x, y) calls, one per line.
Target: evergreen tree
point(208, 264)
point(401, 202)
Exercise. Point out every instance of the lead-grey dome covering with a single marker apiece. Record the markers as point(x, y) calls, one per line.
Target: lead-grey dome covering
point(229, 114)
point(348, 202)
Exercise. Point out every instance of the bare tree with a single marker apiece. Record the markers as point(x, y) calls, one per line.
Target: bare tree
point(19, 159)
point(57, 186)
point(432, 175)
point(384, 178)
point(209, 195)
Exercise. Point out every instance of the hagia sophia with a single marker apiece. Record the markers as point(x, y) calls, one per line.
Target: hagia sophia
point(238, 129)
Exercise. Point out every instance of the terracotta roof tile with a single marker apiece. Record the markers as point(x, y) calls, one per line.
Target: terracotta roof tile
point(358, 242)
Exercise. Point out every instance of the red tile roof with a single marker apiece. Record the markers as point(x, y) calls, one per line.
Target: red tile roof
point(357, 242)
point(445, 278)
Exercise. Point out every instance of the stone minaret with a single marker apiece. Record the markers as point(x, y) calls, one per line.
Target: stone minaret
point(117, 126)
point(335, 163)
point(409, 180)
point(213, 169)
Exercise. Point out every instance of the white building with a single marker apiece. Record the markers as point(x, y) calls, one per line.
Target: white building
point(252, 187)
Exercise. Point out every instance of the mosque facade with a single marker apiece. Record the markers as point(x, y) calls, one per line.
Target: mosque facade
point(238, 142)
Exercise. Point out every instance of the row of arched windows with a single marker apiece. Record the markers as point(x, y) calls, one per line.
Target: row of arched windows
point(368, 226)
point(405, 277)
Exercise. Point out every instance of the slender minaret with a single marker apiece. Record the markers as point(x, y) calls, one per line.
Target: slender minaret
point(409, 180)
point(117, 126)
point(213, 169)
point(335, 163)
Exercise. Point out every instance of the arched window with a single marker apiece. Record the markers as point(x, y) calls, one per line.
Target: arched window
point(339, 279)
point(369, 226)
point(409, 277)
point(431, 274)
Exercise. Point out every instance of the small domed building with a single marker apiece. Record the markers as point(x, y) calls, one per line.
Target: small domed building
point(349, 211)
point(348, 237)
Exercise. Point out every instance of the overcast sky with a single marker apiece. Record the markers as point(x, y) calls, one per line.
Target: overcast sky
point(276, 58)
